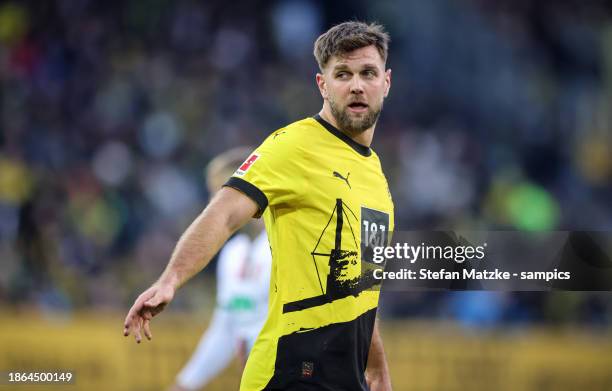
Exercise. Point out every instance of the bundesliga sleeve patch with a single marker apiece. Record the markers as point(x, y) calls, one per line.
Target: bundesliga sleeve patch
point(247, 164)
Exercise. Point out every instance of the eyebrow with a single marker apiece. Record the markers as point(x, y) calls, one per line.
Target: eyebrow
point(344, 66)
point(340, 67)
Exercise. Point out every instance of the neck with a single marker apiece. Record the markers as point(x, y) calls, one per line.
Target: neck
point(364, 138)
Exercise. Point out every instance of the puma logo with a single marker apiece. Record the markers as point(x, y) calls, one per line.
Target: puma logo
point(338, 175)
point(277, 134)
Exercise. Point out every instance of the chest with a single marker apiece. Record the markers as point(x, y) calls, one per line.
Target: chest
point(359, 183)
point(353, 204)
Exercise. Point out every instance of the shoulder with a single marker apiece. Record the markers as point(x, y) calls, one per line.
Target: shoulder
point(295, 133)
point(374, 160)
point(291, 141)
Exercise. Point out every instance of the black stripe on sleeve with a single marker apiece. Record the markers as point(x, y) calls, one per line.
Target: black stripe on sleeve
point(251, 191)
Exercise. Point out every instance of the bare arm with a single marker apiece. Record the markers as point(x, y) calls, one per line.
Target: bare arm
point(377, 371)
point(227, 211)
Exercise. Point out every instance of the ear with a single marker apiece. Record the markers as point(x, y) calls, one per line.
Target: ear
point(322, 85)
point(387, 81)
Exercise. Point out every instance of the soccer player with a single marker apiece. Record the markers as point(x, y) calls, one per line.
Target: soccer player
point(325, 203)
point(243, 281)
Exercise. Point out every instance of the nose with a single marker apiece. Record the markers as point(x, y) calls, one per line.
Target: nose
point(356, 86)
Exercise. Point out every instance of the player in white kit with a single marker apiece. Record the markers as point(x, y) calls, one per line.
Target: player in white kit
point(243, 278)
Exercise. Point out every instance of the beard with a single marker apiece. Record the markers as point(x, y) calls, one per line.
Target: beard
point(351, 124)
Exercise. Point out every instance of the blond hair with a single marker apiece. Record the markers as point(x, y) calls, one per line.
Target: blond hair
point(223, 166)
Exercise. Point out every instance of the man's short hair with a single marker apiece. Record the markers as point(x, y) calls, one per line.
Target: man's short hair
point(348, 36)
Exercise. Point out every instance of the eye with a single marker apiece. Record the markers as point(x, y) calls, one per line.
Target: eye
point(342, 75)
point(369, 73)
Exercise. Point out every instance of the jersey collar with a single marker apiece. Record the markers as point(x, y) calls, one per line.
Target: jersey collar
point(361, 149)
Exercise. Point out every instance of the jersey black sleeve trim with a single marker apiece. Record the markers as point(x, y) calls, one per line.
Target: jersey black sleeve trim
point(251, 191)
point(360, 149)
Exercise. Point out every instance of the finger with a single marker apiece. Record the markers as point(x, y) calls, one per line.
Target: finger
point(137, 327)
point(147, 329)
point(128, 325)
point(130, 320)
point(133, 313)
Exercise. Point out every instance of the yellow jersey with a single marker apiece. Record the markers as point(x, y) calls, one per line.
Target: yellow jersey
point(325, 203)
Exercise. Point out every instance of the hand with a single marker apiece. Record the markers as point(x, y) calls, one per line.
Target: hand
point(378, 382)
point(150, 303)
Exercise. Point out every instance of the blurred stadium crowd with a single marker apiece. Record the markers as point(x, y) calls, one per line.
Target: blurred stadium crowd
point(498, 119)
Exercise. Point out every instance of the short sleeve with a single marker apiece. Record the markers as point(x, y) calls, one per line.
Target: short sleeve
point(270, 175)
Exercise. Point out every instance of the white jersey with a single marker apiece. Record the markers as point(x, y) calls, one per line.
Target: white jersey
point(243, 279)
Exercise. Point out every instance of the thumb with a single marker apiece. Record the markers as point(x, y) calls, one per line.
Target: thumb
point(153, 302)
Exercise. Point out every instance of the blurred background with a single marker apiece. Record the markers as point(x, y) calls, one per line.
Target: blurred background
point(498, 118)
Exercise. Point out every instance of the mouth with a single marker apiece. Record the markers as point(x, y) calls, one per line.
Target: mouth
point(358, 107)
